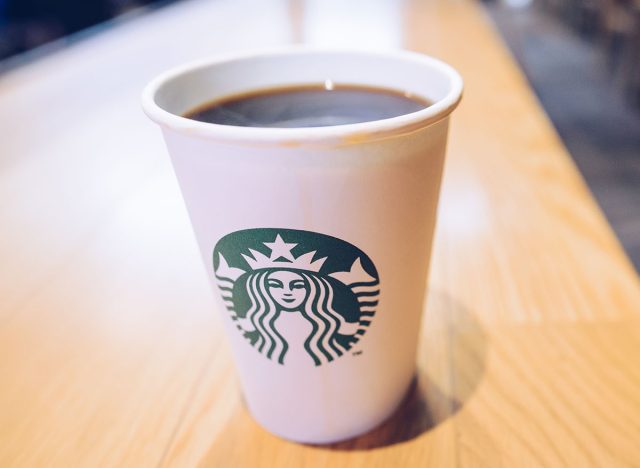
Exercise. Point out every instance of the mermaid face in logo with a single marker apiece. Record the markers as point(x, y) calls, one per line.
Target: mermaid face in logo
point(258, 288)
point(287, 288)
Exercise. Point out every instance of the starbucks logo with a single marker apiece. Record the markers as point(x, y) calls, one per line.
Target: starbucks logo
point(271, 278)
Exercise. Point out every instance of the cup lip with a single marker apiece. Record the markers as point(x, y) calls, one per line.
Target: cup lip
point(337, 134)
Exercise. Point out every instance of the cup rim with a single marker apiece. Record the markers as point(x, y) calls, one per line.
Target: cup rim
point(336, 134)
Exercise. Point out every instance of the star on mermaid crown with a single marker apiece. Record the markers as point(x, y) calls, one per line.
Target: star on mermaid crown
point(281, 257)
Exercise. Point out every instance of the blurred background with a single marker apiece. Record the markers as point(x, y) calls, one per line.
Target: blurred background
point(582, 58)
point(28, 24)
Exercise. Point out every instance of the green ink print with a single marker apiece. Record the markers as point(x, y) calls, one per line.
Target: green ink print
point(264, 272)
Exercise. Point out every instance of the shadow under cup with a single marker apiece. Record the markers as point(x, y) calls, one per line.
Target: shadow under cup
point(300, 195)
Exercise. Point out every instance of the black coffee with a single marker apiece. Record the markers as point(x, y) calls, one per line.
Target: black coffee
point(308, 106)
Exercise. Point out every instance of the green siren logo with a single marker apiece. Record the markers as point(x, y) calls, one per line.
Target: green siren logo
point(272, 278)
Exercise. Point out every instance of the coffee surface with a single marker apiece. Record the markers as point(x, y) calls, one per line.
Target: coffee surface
point(308, 106)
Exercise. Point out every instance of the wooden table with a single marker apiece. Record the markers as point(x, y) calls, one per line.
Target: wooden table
point(111, 352)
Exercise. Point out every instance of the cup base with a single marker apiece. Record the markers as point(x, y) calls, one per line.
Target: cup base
point(353, 433)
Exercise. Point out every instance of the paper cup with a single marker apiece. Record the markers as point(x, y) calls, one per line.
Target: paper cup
point(317, 240)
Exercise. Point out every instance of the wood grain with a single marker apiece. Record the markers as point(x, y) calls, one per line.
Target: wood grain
point(111, 353)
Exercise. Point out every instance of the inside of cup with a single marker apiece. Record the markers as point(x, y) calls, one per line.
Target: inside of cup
point(419, 75)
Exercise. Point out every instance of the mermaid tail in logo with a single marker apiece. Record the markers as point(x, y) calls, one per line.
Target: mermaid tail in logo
point(338, 299)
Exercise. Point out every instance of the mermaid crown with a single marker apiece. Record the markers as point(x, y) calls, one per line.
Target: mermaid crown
point(281, 257)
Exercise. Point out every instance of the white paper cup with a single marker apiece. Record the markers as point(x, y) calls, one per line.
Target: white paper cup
point(317, 239)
